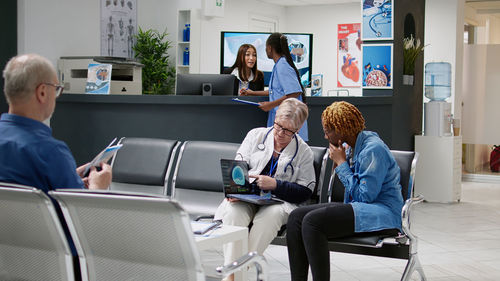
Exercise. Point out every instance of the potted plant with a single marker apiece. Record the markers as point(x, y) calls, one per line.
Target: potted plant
point(158, 77)
point(411, 49)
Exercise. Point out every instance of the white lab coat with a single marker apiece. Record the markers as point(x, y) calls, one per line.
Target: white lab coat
point(267, 220)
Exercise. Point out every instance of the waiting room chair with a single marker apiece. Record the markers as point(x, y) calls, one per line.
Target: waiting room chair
point(134, 237)
point(197, 181)
point(32, 241)
point(402, 246)
point(320, 159)
point(143, 165)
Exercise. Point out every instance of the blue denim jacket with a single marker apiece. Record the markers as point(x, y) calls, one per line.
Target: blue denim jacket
point(371, 183)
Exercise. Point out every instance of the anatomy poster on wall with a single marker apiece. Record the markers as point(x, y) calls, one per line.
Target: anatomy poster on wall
point(349, 55)
point(377, 66)
point(377, 20)
point(118, 27)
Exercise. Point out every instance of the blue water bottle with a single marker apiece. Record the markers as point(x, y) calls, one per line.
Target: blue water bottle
point(184, 33)
point(437, 81)
point(185, 60)
point(188, 32)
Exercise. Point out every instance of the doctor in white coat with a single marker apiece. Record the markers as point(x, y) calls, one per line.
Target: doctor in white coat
point(280, 162)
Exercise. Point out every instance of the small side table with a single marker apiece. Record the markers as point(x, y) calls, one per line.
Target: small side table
point(226, 234)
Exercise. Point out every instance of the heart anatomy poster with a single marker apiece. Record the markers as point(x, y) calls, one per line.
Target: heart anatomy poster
point(349, 55)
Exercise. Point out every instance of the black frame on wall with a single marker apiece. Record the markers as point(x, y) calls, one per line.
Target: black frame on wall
point(8, 48)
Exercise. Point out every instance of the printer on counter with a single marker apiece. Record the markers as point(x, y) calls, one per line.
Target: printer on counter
point(126, 75)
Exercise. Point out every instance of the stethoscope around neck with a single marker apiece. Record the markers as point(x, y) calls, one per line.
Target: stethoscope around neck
point(261, 146)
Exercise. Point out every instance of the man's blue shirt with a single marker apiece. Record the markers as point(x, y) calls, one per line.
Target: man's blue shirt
point(29, 155)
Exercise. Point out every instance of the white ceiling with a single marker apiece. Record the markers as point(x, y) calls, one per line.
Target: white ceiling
point(485, 6)
point(482, 6)
point(307, 2)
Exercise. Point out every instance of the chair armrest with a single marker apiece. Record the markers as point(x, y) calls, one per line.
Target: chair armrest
point(252, 257)
point(405, 215)
point(208, 217)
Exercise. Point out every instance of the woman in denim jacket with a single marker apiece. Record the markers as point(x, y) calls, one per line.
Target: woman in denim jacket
point(372, 198)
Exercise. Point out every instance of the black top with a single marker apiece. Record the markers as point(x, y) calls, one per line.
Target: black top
point(257, 85)
point(289, 191)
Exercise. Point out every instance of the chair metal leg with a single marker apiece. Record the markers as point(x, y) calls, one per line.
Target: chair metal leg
point(412, 265)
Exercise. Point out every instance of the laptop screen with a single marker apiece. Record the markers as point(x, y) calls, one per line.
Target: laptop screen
point(235, 177)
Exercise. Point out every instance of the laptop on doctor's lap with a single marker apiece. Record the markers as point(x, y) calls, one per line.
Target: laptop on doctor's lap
point(237, 185)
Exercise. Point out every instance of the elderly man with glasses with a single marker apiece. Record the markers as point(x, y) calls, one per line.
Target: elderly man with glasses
point(29, 154)
point(281, 163)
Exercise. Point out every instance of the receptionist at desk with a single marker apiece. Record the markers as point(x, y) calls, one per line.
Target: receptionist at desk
point(245, 69)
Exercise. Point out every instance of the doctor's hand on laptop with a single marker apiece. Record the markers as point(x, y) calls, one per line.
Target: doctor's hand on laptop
point(264, 182)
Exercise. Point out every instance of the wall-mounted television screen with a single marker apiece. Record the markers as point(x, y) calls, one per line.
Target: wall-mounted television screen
point(300, 45)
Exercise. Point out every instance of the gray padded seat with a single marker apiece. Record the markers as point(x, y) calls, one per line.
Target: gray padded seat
point(136, 237)
point(197, 181)
point(32, 241)
point(143, 165)
point(320, 157)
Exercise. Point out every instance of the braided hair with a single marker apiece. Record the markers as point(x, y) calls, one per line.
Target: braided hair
point(279, 43)
point(343, 118)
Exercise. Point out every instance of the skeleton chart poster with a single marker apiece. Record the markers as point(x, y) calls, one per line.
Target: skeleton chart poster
point(349, 55)
point(118, 27)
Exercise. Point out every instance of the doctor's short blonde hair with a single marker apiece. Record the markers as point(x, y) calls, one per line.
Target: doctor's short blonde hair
point(293, 111)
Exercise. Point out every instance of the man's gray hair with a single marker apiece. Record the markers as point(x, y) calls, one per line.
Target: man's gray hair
point(294, 111)
point(23, 73)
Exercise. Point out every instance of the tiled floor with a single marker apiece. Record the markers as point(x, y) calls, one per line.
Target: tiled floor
point(459, 241)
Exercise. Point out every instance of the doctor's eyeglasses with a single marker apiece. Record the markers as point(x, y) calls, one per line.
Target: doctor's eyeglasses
point(280, 128)
point(59, 88)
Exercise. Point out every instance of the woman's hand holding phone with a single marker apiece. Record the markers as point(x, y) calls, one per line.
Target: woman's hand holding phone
point(337, 153)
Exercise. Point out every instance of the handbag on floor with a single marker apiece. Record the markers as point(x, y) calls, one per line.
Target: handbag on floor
point(495, 159)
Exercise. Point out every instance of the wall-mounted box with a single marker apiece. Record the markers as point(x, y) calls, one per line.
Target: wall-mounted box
point(126, 76)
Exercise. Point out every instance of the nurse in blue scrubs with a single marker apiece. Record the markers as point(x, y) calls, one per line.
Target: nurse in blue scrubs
point(284, 82)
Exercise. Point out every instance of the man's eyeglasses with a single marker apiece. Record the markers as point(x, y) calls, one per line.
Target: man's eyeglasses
point(59, 88)
point(286, 131)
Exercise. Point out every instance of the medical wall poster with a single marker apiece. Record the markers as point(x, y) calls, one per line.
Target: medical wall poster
point(316, 85)
point(98, 79)
point(118, 28)
point(349, 55)
point(377, 20)
point(377, 66)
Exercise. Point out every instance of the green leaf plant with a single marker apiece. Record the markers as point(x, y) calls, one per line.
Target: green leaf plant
point(158, 76)
point(411, 49)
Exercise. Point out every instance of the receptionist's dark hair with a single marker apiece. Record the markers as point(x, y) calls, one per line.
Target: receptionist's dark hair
point(240, 64)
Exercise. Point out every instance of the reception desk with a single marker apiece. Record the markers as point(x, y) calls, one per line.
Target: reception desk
point(87, 123)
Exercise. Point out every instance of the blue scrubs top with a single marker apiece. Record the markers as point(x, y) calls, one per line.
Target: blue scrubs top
point(284, 81)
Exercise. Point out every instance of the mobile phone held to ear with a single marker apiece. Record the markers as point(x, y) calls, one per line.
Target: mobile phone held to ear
point(103, 156)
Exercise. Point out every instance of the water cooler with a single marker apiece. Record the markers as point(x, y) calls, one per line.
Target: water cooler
point(439, 167)
point(438, 118)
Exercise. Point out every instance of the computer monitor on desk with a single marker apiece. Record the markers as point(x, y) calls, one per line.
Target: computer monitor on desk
point(207, 84)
